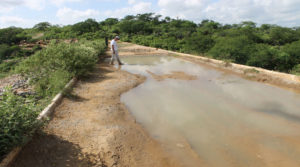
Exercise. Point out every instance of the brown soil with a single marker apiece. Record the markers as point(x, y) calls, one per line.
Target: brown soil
point(174, 75)
point(93, 128)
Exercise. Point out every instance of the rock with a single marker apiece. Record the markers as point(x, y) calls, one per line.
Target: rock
point(18, 85)
point(24, 93)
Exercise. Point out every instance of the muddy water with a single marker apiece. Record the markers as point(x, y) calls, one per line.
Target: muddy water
point(217, 119)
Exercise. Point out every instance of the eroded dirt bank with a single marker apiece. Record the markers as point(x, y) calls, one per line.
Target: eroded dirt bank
point(92, 128)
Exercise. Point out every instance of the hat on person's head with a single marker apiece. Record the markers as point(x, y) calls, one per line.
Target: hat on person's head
point(117, 37)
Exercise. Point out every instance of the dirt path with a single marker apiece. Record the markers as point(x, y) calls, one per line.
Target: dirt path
point(92, 128)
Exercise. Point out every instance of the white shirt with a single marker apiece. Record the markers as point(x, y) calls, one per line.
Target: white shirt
point(114, 43)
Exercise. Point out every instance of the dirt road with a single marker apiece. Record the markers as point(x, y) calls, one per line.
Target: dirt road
point(92, 128)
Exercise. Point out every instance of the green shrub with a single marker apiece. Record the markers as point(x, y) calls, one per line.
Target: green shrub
point(8, 52)
point(296, 70)
point(198, 43)
point(4, 49)
point(18, 121)
point(293, 49)
point(236, 49)
point(261, 57)
point(51, 68)
point(8, 65)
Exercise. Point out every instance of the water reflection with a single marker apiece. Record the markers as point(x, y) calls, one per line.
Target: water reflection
point(226, 120)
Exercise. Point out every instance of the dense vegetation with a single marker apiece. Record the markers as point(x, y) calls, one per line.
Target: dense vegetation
point(51, 68)
point(10, 51)
point(18, 121)
point(268, 46)
point(48, 70)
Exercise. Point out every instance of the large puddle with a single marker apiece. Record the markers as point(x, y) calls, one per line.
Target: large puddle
point(214, 118)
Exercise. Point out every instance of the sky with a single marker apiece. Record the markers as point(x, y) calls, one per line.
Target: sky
point(27, 13)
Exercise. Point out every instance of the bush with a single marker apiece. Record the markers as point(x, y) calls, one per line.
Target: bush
point(296, 70)
point(4, 49)
point(293, 49)
point(7, 66)
point(12, 35)
point(235, 49)
point(198, 43)
point(51, 68)
point(9, 52)
point(18, 121)
point(261, 56)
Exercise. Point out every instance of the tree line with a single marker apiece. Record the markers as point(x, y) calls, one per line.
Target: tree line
point(267, 46)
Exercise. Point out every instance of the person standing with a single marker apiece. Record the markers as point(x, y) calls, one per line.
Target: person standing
point(114, 50)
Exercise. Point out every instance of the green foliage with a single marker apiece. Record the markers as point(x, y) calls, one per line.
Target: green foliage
point(236, 49)
point(52, 67)
point(18, 121)
point(293, 49)
point(296, 70)
point(8, 65)
point(42, 26)
point(198, 43)
point(90, 25)
point(267, 46)
point(261, 56)
point(12, 35)
point(281, 36)
point(7, 51)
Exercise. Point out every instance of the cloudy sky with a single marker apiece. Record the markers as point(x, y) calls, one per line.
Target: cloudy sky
point(26, 13)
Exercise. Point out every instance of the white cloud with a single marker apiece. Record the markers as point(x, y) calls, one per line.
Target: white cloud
point(137, 8)
point(61, 2)
point(35, 4)
point(186, 9)
point(131, 2)
point(8, 5)
point(283, 12)
point(7, 21)
point(70, 16)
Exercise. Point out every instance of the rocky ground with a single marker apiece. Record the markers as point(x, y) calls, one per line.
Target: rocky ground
point(17, 84)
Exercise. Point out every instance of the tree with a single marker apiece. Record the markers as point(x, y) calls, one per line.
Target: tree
point(89, 25)
point(198, 43)
point(12, 35)
point(293, 49)
point(42, 26)
point(234, 49)
point(280, 35)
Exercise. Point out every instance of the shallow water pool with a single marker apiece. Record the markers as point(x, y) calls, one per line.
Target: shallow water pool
point(218, 119)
